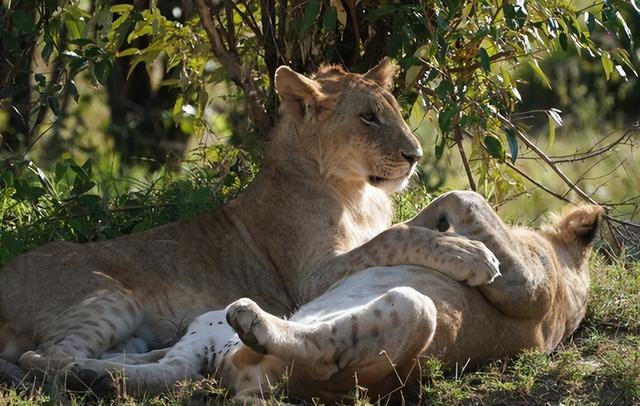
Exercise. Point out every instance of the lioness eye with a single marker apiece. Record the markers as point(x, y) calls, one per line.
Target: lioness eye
point(369, 118)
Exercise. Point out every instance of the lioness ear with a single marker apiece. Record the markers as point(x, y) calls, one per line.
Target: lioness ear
point(383, 73)
point(296, 89)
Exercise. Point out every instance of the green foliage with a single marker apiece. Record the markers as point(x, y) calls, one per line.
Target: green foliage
point(468, 70)
point(461, 62)
point(70, 203)
point(184, 49)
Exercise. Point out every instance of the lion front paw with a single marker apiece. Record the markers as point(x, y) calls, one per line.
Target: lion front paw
point(485, 268)
point(469, 261)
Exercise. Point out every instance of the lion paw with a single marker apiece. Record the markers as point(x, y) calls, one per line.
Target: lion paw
point(486, 268)
point(247, 319)
point(470, 261)
point(81, 377)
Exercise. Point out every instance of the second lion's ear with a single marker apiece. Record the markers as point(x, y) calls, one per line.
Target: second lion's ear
point(297, 90)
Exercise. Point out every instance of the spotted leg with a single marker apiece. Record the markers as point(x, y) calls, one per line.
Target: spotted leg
point(375, 340)
point(207, 340)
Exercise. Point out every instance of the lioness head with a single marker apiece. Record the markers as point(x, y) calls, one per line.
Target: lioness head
point(348, 126)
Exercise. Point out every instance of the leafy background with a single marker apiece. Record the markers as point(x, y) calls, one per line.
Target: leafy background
point(119, 116)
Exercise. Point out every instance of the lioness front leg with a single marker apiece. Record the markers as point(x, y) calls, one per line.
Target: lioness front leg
point(374, 343)
point(461, 258)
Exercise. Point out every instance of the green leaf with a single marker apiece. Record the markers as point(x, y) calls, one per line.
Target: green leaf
point(27, 192)
point(329, 19)
point(46, 51)
point(445, 117)
point(607, 64)
point(128, 52)
point(54, 105)
point(73, 90)
point(82, 183)
point(61, 170)
point(41, 79)
point(102, 69)
point(91, 202)
point(494, 146)
point(564, 44)
point(412, 74)
point(592, 21)
point(310, 14)
point(140, 31)
point(625, 28)
point(552, 130)
point(513, 144)
point(122, 8)
point(177, 107)
point(552, 27)
point(635, 5)
point(72, 28)
point(621, 72)
point(439, 150)
point(539, 73)
point(484, 60)
point(516, 93)
point(443, 89)
point(24, 23)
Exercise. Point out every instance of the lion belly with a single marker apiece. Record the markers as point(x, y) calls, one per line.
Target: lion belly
point(469, 328)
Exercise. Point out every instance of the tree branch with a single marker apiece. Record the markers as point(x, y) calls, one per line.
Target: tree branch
point(236, 72)
point(465, 161)
point(532, 146)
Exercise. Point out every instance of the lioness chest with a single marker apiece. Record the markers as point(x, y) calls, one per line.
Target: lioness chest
point(360, 222)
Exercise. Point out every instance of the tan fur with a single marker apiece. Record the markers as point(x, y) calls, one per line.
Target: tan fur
point(306, 221)
point(369, 328)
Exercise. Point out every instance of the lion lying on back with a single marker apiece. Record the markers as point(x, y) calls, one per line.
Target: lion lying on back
point(370, 327)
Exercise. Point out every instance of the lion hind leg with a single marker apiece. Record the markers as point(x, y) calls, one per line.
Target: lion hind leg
point(84, 331)
point(370, 339)
point(207, 340)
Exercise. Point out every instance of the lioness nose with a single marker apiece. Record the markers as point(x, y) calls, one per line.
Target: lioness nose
point(413, 156)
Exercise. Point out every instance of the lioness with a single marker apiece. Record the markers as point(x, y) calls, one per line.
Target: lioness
point(369, 327)
point(308, 220)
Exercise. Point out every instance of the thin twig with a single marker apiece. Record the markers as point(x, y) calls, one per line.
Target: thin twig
point(583, 157)
point(114, 210)
point(536, 183)
point(249, 20)
point(465, 162)
point(532, 146)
